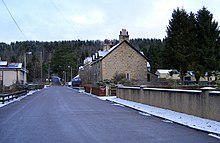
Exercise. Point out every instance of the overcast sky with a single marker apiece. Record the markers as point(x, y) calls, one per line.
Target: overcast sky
point(50, 20)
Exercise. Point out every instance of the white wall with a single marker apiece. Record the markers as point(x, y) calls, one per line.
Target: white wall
point(10, 77)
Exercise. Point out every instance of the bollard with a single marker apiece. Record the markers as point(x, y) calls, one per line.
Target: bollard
point(3, 100)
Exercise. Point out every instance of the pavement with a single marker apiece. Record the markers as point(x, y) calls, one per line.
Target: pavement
point(61, 115)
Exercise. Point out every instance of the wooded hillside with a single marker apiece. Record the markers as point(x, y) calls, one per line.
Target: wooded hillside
point(57, 57)
point(192, 43)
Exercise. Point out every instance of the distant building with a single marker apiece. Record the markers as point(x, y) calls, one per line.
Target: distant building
point(190, 77)
point(3, 63)
point(76, 81)
point(11, 73)
point(122, 58)
point(167, 74)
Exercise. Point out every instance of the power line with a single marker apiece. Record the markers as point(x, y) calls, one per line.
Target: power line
point(14, 20)
point(64, 17)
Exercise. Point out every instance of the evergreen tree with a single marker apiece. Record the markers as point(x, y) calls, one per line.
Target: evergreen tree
point(207, 37)
point(154, 55)
point(179, 42)
point(218, 54)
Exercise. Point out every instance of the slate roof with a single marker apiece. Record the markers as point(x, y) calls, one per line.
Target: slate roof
point(15, 65)
point(12, 66)
point(165, 71)
point(3, 63)
point(115, 47)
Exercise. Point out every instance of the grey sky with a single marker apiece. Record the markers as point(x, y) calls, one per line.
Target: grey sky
point(50, 20)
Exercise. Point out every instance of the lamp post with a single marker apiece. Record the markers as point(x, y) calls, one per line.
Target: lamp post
point(71, 74)
point(25, 66)
point(64, 77)
point(41, 67)
point(49, 73)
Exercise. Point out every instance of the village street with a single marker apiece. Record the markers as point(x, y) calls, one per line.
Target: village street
point(62, 115)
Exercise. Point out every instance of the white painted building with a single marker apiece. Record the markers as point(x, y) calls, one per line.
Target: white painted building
point(167, 74)
point(11, 73)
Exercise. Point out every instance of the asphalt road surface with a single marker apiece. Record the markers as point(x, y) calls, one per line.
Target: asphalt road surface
point(61, 115)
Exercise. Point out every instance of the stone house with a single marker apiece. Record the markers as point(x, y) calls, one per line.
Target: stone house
point(122, 58)
point(190, 77)
point(85, 71)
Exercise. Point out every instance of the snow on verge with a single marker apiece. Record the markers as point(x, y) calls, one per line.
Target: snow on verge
point(20, 98)
point(184, 119)
point(215, 136)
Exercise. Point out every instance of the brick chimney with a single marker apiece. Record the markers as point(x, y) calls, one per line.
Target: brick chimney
point(107, 45)
point(123, 35)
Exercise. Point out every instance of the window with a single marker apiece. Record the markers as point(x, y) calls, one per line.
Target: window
point(148, 77)
point(128, 76)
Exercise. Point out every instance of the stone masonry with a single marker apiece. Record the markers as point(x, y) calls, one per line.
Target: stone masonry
point(126, 60)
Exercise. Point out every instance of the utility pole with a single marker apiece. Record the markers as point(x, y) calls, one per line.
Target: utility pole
point(49, 68)
point(71, 74)
point(25, 70)
point(49, 73)
point(25, 66)
point(41, 66)
point(64, 77)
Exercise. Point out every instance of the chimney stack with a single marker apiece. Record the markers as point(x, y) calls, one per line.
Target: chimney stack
point(123, 35)
point(107, 45)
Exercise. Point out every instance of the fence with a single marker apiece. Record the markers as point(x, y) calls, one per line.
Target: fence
point(100, 91)
point(201, 103)
point(11, 96)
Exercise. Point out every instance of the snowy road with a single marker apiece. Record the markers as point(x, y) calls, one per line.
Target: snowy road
point(61, 115)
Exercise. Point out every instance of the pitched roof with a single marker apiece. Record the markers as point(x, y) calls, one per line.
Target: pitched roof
point(12, 66)
point(102, 53)
point(165, 71)
point(87, 60)
point(3, 63)
point(116, 46)
point(15, 65)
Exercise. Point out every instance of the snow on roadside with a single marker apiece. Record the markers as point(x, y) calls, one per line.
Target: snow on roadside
point(20, 98)
point(181, 118)
point(215, 136)
point(106, 97)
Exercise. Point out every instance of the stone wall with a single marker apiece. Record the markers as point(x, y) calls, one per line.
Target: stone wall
point(200, 103)
point(85, 74)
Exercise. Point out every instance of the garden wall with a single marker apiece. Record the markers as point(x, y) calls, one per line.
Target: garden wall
point(201, 103)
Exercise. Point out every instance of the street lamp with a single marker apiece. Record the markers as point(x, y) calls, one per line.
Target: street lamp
point(49, 73)
point(25, 66)
point(64, 77)
point(71, 74)
point(41, 66)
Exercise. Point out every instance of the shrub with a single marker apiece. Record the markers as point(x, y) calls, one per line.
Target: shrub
point(121, 79)
point(104, 82)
